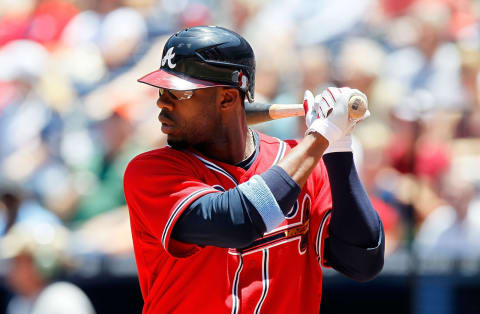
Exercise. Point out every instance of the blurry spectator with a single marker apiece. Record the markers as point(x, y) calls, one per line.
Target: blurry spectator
point(100, 6)
point(48, 21)
point(393, 226)
point(96, 42)
point(37, 253)
point(107, 165)
point(396, 7)
point(16, 207)
point(122, 31)
point(242, 12)
point(315, 68)
point(23, 61)
point(453, 229)
point(14, 19)
point(9, 206)
point(40, 21)
point(105, 234)
point(269, 88)
point(378, 178)
point(429, 61)
point(196, 14)
point(419, 151)
point(359, 63)
point(469, 126)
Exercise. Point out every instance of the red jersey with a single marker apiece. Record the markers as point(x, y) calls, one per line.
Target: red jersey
point(278, 273)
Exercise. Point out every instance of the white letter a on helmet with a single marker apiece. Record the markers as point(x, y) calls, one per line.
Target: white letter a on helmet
point(168, 58)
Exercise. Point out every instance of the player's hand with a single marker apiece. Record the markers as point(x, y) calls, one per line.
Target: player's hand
point(331, 108)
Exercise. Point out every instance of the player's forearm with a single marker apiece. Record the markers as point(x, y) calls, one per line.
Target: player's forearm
point(356, 242)
point(302, 159)
point(354, 219)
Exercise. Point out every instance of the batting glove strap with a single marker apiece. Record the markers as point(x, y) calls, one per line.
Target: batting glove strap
point(326, 128)
point(343, 144)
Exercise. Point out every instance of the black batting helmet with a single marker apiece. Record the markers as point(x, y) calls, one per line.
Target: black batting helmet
point(205, 56)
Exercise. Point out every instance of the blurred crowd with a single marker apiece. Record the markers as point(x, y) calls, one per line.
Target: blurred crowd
point(72, 114)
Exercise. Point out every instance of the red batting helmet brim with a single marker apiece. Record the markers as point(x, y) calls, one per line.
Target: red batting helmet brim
point(168, 80)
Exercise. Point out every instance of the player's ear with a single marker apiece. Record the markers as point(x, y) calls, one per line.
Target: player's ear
point(229, 98)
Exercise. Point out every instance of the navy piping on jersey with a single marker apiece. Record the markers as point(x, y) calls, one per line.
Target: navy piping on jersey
point(214, 167)
point(245, 164)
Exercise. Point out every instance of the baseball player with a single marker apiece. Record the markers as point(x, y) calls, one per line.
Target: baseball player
point(228, 220)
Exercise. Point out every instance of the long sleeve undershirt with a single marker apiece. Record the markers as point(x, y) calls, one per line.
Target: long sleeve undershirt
point(356, 243)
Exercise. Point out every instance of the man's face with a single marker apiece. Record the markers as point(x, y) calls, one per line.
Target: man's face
point(189, 122)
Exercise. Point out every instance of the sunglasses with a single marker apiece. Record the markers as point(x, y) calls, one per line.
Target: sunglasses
point(177, 94)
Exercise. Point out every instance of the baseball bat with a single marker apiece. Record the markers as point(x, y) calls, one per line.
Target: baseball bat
point(258, 112)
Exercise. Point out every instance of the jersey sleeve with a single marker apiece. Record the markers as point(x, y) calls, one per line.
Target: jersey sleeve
point(158, 188)
point(321, 207)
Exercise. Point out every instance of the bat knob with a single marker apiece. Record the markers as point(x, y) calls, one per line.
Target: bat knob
point(357, 106)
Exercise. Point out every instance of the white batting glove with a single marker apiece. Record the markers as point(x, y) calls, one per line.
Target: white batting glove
point(333, 122)
point(311, 113)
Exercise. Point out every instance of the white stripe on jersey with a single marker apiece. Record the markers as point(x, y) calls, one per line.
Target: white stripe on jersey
point(236, 279)
point(265, 279)
point(281, 152)
point(177, 210)
point(318, 244)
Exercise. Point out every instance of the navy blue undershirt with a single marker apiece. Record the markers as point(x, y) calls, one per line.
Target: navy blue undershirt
point(356, 243)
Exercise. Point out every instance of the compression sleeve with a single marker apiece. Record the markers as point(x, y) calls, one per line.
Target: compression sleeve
point(282, 186)
point(356, 243)
point(237, 217)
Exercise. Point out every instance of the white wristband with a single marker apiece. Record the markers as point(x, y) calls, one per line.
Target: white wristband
point(326, 128)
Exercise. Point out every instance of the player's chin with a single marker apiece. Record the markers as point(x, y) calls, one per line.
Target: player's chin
point(176, 143)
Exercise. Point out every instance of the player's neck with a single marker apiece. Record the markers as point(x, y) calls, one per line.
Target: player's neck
point(232, 146)
point(249, 144)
